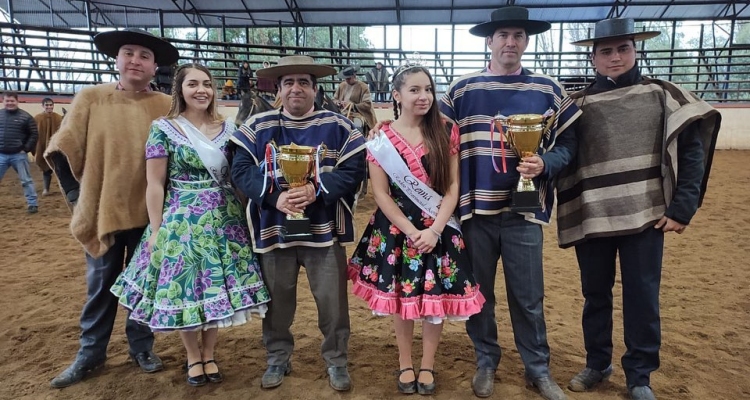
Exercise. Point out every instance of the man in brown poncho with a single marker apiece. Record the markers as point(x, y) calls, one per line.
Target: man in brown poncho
point(355, 99)
point(99, 158)
point(47, 123)
point(644, 154)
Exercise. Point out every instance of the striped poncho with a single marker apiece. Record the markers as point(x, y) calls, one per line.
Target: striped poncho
point(331, 218)
point(625, 174)
point(471, 102)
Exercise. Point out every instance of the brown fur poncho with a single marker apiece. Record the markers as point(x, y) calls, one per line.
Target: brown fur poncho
point(103, 138)
point(47, 124)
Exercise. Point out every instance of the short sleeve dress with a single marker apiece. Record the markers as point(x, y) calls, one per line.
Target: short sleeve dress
point(394, 277)
point(202, 272)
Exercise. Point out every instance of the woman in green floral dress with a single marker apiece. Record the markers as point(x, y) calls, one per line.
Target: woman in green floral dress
point(194, 269)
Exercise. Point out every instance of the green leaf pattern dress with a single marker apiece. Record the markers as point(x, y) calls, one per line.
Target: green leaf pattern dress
point(202, 273)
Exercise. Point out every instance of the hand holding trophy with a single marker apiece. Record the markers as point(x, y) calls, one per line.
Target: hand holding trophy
point(524, 133)
point(298, 165)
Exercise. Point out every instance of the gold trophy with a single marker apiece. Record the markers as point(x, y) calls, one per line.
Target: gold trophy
point(524, 133)
point(298, 164)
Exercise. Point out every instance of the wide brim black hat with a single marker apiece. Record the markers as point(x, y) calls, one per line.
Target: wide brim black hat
point(616, 28)
point(510, 17)
point(110, 42)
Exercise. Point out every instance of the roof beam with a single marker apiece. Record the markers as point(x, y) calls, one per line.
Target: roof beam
point(249, 14)
point(666, 9)
point(398, 11)
point(293, 8)
point(101, 15)
point(196, 16)
point(618, 8)
point(49, 6)
point(730, 9)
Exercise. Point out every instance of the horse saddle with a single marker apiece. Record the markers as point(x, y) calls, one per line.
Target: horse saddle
point(357, 119)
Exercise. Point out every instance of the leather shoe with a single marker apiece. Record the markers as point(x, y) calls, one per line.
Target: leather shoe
point(214, 377)
point(74, 373)
point(588, 378)
point(548, 388)
point(641, 393)
point(426, 389)
point(197, 380)
point(406, 387)
point(148, 361)
point(274, 375)
point(338, 378)
point(483, 382)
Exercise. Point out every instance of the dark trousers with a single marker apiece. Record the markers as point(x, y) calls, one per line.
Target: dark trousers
point(47, 176)
point(326, 272)
point(519, 243)
point(100, 310)
point(381, 97)
point(640, 267)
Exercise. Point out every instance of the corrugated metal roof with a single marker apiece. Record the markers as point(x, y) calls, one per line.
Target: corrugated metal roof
point(272, 13)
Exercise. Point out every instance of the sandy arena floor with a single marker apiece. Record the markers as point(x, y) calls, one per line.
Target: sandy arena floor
point(705, 319)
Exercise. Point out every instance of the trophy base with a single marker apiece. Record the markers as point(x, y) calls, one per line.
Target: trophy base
point(526, 201)
point(296, 229)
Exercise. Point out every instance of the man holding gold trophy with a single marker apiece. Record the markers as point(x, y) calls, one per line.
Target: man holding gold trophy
point(640, 171)
point(300, 167)
point(515, 126)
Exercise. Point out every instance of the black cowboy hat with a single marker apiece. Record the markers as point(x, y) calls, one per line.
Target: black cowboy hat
point(510, 17)
point(295, 65)
point(615, 28)
point(110, 42)
point(350, 70)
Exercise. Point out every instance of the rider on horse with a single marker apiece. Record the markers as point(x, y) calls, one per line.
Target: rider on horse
point(353, 96)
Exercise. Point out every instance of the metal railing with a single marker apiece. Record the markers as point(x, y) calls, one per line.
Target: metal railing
point(62, 61)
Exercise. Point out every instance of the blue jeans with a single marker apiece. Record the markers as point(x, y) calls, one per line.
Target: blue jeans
point(519, 243)
point(20, 163)
point(100, 310)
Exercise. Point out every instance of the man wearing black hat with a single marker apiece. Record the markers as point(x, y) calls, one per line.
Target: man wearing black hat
point(355, 94)
point(98, 155)
point(641, 170)
point(491, 229)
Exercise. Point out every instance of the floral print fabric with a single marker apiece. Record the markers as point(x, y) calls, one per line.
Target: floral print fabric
point(395, 278)
point(202, 272)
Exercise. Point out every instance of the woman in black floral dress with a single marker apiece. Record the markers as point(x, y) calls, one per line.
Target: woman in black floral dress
point(409, 263)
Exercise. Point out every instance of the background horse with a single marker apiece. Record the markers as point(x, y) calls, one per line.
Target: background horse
point(322, 99)
point(251, 103)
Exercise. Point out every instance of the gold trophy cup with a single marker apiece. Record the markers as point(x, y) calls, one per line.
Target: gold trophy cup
point(524, 133)
point(297, 165)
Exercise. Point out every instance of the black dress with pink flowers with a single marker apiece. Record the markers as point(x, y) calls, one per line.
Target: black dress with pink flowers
point(394, 277)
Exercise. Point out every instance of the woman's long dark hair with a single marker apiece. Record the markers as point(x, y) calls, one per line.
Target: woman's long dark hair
point(435, 134)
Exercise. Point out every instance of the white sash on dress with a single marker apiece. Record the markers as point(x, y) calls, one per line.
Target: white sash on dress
point(417, 191)
point(209, 151)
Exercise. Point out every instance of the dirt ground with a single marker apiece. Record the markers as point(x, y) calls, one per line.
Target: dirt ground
point(705, 319)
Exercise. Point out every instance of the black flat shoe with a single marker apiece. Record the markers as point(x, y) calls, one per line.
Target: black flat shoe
point(426, 388)
point(406, 387)
point(199, 380)
point(216, 377)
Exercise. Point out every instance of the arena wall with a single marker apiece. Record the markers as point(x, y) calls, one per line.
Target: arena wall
point(734, 134)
